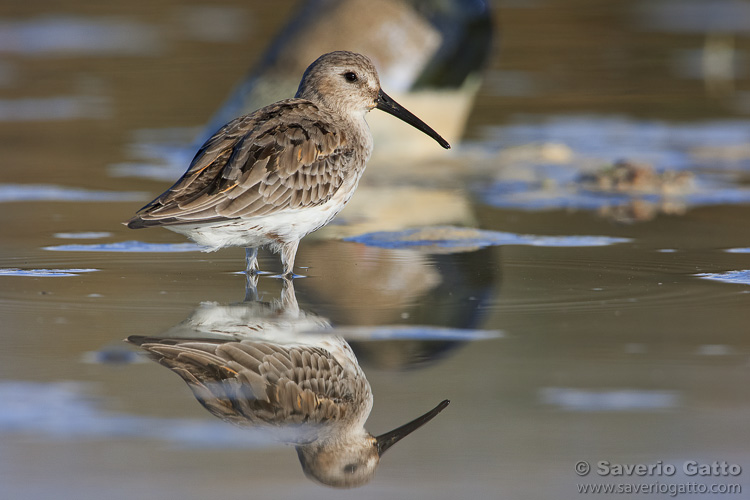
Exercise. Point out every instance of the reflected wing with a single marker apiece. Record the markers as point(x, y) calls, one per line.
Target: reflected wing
point(261, 382)
point(284, 156)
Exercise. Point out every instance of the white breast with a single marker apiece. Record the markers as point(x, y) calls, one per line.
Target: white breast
point(269, 230)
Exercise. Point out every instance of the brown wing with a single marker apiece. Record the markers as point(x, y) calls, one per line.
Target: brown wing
point(284, 156)
point(261, 382)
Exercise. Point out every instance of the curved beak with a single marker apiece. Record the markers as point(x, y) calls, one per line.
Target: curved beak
point(385, 441)
point(385, 103)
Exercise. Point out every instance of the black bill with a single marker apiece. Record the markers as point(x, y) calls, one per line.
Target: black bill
point(388, 439)
point(391, 107)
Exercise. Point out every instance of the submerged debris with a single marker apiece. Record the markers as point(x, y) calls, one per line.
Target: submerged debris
point(636, 180)
point(639, 178)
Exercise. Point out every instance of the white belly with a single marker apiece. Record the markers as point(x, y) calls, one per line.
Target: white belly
point(269, 230)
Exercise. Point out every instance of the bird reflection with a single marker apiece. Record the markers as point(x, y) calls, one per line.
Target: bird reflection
point(256, 364)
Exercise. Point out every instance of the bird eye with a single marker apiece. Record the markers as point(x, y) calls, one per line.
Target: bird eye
point(350, 76)
point(350, 469)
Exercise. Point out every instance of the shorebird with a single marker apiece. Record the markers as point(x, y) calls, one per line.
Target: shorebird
point(269, 178)
point(278, 320)
point(306, 389)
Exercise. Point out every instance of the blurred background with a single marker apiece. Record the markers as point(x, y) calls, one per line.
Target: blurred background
point(585, 241)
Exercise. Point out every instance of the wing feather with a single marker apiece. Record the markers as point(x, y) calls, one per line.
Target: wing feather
point(253, 382)
point(286, 156)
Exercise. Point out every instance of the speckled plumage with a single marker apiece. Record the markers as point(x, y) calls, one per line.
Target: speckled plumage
point(275, 367)
point(272, 177)
point(299, 387)
point(313, 396)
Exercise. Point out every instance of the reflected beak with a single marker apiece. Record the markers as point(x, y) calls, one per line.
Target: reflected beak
point(385, 441)
point(391, 107)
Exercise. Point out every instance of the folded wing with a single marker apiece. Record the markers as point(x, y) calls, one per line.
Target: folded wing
point(285, 156)
point(256, 383)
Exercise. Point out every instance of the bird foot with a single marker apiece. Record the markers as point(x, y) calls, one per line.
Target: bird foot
point(288, 276)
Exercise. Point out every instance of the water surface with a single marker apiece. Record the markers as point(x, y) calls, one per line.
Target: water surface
point(606, 330)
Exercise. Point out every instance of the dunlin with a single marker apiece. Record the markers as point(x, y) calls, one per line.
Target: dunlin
point(272, 366)
point(272, 177)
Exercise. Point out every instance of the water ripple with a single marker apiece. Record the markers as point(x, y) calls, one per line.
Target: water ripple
point(539, 196)
point(50, 192)
point(572, 399)
point(70, 35)
point(84, 235)
point(440, 238)
point(414, 332)
point(64, 410)
point(605, 285)
point(127, 246)
point(44, 272)
point(741, 277)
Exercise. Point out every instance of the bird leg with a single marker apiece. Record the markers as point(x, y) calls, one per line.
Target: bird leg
point(251, 287)
point(251, 261)
point(289, 297)
point(288, 253)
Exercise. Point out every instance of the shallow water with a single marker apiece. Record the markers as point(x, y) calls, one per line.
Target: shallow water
point(565, 322)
